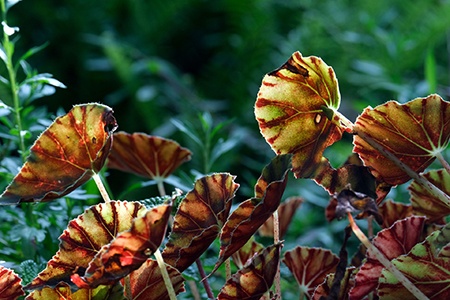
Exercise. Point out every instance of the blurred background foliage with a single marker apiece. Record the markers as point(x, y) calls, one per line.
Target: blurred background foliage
point(196, 65)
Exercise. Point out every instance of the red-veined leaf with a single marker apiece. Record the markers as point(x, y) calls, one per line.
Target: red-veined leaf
point(146, 283)
point(10, 288)
point(148, 156)
point(62, 291)
point(413, 132)
point(425, 203)
point(243, 256)
point(199, 219)
point(296, 109)
point(84, 237)
point(128, 251)
point(286, 211)
point(310, 266)
point(255, 279)
point(394, 241)
point(65, 156)
point(428, 272)
point(327, 290)
point(394, 211)
point(252, 213)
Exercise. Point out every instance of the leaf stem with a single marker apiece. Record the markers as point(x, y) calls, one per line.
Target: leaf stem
point(165, 275)
point(160, 185)
point(443, 162)
point(101, 187)
point(276, 240)
point(204, 279)
point(127, 287)
point(385, 262)
point(425, 183)
point(228, 268)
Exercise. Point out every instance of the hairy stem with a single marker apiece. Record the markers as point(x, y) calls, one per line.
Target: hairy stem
point(276, 239)
point(165, 275)
point(194, 289)
point(228, 268)
point(101, 187)
point(204, 279)
point(425, 183)
point(443, 162)
point(385, 262)
point(127, 287)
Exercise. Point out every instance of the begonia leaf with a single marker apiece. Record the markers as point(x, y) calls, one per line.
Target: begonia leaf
point(393, 211)
point(128, 251)
point(146, 155)
point(286, 211)
point(428, 272)
point(62, 291)
point(296, 110)
point(243, 256)
point(310, 266)
point(254, 280)
point(10, 287)
point(349, 201)
point(427, 204)
point(66, 155)
point(394, 241)
point(146, 283)
point(413, 132)
point(83, 239)
point(199, 219)
point(245, 220)
point(325, 289)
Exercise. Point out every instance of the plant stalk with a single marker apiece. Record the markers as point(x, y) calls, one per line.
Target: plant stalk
point(385, 262)
point(443, 162)
point(165, 275)
point(276, 239)
point(204, 279)
point(101, 187)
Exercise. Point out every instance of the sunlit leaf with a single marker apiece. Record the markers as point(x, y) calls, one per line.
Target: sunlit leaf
point(255, 279)
point(394, 241)
point(326, 290)
point(10, 287)
point(428, 272)
point(145, 155)
point(62, 291)
point(394, 211)
point(413, 132)
point(83, 239)
point(243, 256)
point(286, 211)
point(252, 213)
point(296, 109)
point(310, 266)
point(128, 251)
point(147, 284)
point(199, 219)
point(65, 156)
point(425, 203)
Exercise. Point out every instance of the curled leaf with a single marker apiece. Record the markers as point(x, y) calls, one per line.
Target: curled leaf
point(65, 156)
point(145, 155)
point(296, 110)
point(83, 239)
point(10, 287)
point(199, 219)
point(63, 291)
point(413, 132)
point(255, 279)
point(128, 251)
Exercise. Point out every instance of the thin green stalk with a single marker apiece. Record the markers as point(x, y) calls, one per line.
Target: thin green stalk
point(165, 275)
point(101, 187)
point(385, 262)
point(443, 162)
point(276, 239)
point(160, 185)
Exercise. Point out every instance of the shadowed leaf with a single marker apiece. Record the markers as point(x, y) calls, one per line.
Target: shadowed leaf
point(349, 201)
point(252, 213)
point(145, 155)
point(414, 132)
point(10, 287)
point(83, 239)
point(323, 291)
point(255, 279)
point(65, 156)
point(394, 211)
point(147, 283)
point(199, 219)
point(128, 251)
point(425, 203)
point(428, 272)
point(310, 266)
point(296, 111)
point(394, 241)
point(63, 292)
point(286, 211)
point(246, 253)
